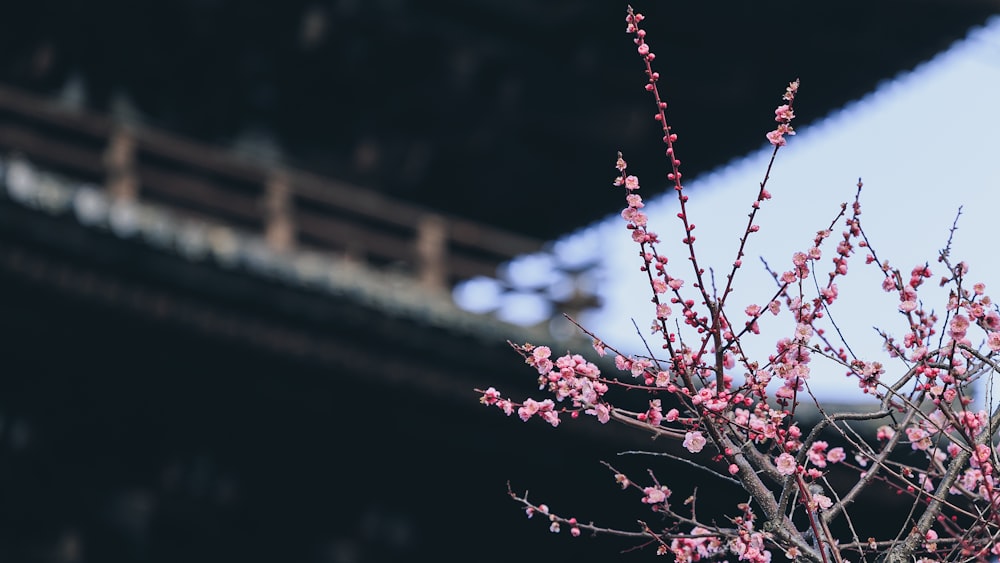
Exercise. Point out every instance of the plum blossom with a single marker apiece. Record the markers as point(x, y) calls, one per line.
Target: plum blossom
point(655, 495)
point(836, 455)
point(993, 341)
point(885, 432)
point(490, 396)
point(776, 138)
point(919, 438)
point(785, 464)
point(601, 411)
point(697, 371)
point(822, 501)
point(528, 410)
point(817, 453)
point(694, 442)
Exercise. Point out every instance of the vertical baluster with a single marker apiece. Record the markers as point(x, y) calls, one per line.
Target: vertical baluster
point(279, 227)
point(432, 249)
point(121, 179)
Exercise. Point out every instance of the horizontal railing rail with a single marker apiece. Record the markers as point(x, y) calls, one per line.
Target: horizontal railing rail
point(289, 208)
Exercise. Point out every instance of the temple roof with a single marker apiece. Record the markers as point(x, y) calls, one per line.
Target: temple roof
point(507, 112)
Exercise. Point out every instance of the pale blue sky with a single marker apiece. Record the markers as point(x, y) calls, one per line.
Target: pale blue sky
point(924, 144)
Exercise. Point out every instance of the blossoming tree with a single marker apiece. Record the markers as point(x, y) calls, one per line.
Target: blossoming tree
point(933, 445)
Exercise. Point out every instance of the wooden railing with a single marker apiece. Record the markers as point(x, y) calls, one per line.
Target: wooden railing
point(289, 208)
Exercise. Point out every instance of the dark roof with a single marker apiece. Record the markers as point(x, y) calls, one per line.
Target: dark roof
point(505, 111)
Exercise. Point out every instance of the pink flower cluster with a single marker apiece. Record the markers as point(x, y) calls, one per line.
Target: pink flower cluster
point(635, 218)
point(710, 400)
point(784, 115)
point(701, 544)
point(570, 377)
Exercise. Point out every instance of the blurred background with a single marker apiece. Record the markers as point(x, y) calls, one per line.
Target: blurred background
point(230, 235)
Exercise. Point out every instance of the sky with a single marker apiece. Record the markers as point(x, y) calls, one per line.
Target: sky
point(925, 144)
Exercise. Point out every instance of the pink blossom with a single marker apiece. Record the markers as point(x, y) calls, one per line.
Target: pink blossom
point(622, 363)
point(654, 415)
point(506, 406)
point(620, 164)
point(793, 87)
point(817, 453)
point(803, 332)
point(982, 453)
point(836, 455)
point(992, 320)
point(776, 138)
point(694, 442)
point(785, 464)
point(993, 341)
point(663, 311)
point(919, 438)
point(958, 326)
point(829, 293)
point(655, 495)
point(601, 411)
point(640, 366)
point(888, 284)
point(784, 113)
point(822, 501)
point(528, 410)
point(774, 307)
point(631, 183)
point(552, 417)
point(662, 379)
point(490, 396)
point(971, 478)
point(931, 536)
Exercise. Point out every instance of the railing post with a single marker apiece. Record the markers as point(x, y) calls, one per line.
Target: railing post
point(279, 228)
point(432, 249)
point(121, 180)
